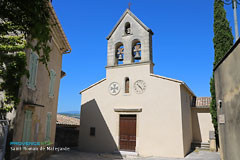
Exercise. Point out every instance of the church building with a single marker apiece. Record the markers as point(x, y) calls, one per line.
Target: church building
point(132, 109)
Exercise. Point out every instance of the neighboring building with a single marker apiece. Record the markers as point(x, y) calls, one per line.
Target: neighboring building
point(203, 130)
point(66, 121)
point(35, 119)
point(133, 109)
point(67, 131)
point(227, 87)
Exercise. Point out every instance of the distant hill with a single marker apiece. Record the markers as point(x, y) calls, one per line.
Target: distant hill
point(74, 114)
point(70, 112)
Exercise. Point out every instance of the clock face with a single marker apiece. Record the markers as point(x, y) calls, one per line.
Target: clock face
point(114, 88)
point(139, 86)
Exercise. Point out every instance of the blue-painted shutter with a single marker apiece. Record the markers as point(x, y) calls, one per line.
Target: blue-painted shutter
point(48, 126)
point(27, 126)
point(33, 66)
point(31, 70)
point(35, 69)
point(52, 83)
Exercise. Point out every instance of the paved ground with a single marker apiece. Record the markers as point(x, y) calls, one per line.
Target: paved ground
point(76, 155)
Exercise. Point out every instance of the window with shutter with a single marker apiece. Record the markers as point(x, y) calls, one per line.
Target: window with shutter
point(48, 126)
point(27, 126)
point(33, 65)
point(52, 83)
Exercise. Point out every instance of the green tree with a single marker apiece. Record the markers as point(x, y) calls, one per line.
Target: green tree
point(21, 23)
point(223, 40)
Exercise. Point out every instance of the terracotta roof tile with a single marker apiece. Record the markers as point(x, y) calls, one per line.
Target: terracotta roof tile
point(203, 102)
point(65, 120)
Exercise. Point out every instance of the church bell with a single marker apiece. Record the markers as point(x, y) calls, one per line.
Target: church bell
point(128, 30)
point(137, 56)
point(120, 57)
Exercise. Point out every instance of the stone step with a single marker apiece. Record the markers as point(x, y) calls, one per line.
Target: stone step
point(120, 155)
point(128, 154)
point(200, 145)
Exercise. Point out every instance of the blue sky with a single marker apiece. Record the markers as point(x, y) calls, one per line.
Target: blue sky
point(182, 41)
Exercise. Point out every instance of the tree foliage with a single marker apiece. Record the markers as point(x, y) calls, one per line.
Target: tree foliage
point(223, 40)
point(21, 23)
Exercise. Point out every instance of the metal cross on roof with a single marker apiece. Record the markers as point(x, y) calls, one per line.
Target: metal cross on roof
point(129, 5)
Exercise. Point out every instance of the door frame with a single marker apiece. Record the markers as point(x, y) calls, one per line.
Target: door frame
point(130, 114)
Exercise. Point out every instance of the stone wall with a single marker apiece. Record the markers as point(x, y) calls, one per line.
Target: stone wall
point(66, 136)
point(227, 84)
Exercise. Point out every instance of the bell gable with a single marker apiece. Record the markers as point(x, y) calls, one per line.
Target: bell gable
point(129, 42)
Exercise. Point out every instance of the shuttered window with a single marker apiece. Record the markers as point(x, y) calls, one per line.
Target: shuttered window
point(33, 65)
point(27, 126)
point(52, 83)
point(48, 126)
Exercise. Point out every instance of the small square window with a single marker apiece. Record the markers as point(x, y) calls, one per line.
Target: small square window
point(92, 131)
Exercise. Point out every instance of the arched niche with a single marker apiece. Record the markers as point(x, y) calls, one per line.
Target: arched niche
point(119, 53)
point(127, 84)
point(136, 51)
point(127, 28)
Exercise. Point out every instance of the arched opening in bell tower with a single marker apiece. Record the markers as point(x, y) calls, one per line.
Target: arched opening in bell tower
point(127, 28)
point(119, 53)
point(136, 51)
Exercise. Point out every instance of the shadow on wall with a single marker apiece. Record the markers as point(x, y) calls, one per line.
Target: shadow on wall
point(94, 134)
point(197, 137)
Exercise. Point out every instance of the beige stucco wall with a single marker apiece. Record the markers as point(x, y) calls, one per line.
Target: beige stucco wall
point(159, 124)
point(201, 124)
point(186, 119)
point(40, 96)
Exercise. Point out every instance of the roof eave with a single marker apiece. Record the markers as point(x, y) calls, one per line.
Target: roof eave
point(54, 17)
point(175, 80)
point(134, 17)
point(186, 86)
point(92, 85)
point(227, 54)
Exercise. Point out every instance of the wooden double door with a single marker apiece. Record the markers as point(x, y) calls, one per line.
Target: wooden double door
point(127, 132)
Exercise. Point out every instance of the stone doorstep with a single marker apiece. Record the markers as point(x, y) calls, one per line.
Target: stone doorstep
point(128, 153)
point(110, 155)
point(205, 146)
point(120, 155)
